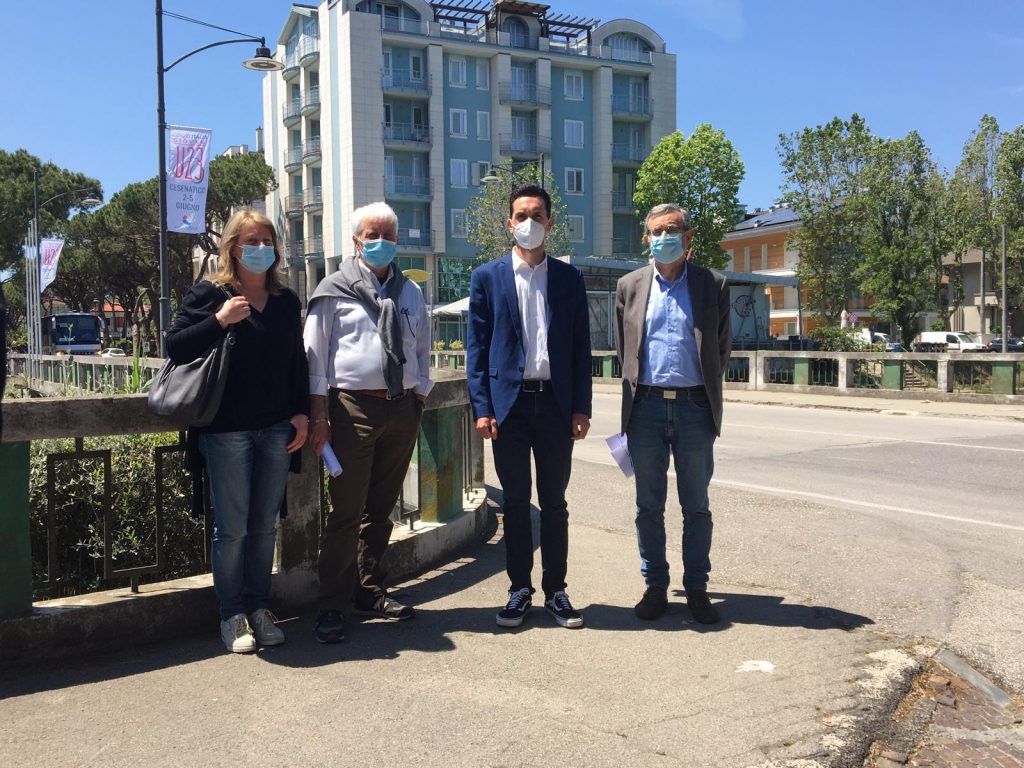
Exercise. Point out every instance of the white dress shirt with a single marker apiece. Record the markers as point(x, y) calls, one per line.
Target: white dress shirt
point(532, 291)
point(344, 348)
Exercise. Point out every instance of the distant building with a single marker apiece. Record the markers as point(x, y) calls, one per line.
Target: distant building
point(416, 102)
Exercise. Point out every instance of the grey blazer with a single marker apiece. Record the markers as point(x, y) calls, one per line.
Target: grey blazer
point(712, 326)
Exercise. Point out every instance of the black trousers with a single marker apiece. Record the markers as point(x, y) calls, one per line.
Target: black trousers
point(535, 424)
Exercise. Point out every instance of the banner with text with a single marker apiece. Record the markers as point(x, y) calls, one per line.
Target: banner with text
point(188, 171)
point(49, 254)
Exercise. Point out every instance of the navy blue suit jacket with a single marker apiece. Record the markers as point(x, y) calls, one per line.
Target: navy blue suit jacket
point(495, 353)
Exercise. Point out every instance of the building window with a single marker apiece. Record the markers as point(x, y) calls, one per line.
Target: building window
point(457, 72)
point(457, 122)
point(459, 170)
point(483, 74)
point(483, 126)
point(458, 222)
point(574, 85)
point(574, 133)
point(575, 229)
point(574, 181)
point(481, 168)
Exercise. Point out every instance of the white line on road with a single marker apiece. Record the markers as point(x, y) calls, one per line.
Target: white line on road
point(877, 437)
point(868, 504)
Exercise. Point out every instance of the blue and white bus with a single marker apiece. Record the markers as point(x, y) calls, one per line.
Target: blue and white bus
point(75, 333)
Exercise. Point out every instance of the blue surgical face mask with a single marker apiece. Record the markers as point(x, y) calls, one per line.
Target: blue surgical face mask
point(667, 248)
point(257, 258)
point(378, 253)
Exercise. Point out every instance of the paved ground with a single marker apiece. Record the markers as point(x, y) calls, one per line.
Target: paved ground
point(800, 674)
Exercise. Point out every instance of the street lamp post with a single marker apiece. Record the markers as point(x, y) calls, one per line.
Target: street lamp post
point(262, 61)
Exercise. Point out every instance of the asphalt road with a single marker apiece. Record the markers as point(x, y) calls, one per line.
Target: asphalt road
point(914, 520)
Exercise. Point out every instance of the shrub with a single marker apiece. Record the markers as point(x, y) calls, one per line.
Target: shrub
point(456, 345)
point(831, 339)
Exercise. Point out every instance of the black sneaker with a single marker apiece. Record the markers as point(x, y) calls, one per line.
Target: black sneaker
point(516, 609)
point(385, 607)
point(558, 605)
point(652, 604)
point(700, 606)
point(329, 627)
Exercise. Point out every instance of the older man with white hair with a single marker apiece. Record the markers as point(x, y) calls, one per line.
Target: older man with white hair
point(368, 344)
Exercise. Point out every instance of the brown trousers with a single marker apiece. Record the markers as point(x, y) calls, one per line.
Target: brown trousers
point(373, 439)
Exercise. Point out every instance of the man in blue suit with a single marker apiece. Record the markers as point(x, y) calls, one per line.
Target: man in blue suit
point(528, 365)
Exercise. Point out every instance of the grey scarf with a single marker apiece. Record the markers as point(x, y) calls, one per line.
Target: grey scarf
point(351, 282)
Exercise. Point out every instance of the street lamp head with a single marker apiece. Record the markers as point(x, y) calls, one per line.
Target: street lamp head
point(263, 61)
point(490, 178)
point(90, 202)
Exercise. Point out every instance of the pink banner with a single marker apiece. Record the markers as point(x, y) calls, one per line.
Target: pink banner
point(49, 255)
point(188, 170)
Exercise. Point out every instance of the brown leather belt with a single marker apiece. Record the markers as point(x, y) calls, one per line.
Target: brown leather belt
point(674, 393)
point(381, 393)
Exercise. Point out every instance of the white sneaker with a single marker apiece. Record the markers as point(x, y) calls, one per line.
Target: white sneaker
point(264, 626)
point(237, 635)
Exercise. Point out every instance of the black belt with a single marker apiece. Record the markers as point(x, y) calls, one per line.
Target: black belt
point(535, 385)
point(674, 393)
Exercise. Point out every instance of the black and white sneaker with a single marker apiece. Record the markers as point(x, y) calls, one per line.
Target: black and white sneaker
point(384, 607)
point(560, 607)
point(515, 610)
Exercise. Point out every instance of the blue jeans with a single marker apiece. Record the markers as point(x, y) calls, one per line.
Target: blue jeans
point(686, 430)
point(248, 472)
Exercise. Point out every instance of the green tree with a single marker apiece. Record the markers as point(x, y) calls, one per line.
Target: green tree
point(1009, 211)
point(897, 264)
point(702, 174)
point(487, 214)
point(823, 184)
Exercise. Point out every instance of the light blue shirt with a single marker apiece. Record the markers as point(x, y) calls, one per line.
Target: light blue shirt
point(669, 357)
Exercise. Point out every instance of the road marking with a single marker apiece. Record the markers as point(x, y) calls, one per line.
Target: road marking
point(870, 438)
point(867, 504)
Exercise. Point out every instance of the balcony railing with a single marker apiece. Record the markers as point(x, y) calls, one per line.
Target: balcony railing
point(478, 35)
point(409, 26)
point(290, 111)
point(628, 105)
point(308, 50)
point(626, 248)
point(311, 149)
point(415, 238)
point(312, 199)
point(293, 206)
point(293, 157)
point(528, 145)
point(626, 54)
point(311, 100)
point(312, 247)
point(629, 153)
point(405, 80)
point(622, 200)
point(509, 93)
point(291, 65)
point(414, 186)
point(406, 132)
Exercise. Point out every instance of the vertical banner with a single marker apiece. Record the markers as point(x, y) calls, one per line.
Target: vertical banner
point(49, 253)
point(188, 170)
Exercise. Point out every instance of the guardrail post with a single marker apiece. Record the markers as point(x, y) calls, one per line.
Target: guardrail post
point(1003, 375)
point(844, 373)
point(441, 453)
point(892, 374)
point(943, 379)
point(300, 534)
point(16, 563)
point(756, 370)
point(802, 371)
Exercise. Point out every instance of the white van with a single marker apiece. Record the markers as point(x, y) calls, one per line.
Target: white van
point(947, 341)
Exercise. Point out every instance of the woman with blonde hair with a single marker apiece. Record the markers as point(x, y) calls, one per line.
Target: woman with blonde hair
point(263, 417)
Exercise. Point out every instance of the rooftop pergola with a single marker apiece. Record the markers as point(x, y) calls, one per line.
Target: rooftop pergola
point(472, 14)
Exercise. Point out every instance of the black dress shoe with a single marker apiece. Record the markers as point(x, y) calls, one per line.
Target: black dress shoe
point(700, 606)
point(652, 604)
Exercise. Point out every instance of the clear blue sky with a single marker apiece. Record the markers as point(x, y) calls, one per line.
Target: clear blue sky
point(81, 82)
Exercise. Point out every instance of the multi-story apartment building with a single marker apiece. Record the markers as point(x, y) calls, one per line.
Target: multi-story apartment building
point(416, 102)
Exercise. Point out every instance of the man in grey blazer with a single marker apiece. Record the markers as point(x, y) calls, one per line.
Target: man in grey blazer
point(673, 335)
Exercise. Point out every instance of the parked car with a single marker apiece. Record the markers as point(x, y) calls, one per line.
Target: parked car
point(1013, 344)
point(947, 341)
point(112, 352)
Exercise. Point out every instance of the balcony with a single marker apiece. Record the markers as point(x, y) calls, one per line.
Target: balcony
point(622, 201)
point(311, 101)
point(292, 158)
point(311, 150)
point(416, 240)
point(312, 199)
point(629, 154)
point(626, 54)
point(405, 82)
point(523, 145)
point(470, 34)
point(628, 106)
point(309, 50)
point(528, 95)
point(569, 48)
point(407, 135)
point(290, 112)
point(407, 188)
point(407, 26)
point(626, 249)
point(313, 248)
point(293, 206)
point(291, 66)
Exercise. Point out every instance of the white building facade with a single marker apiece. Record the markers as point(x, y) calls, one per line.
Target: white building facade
point(414, 103)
